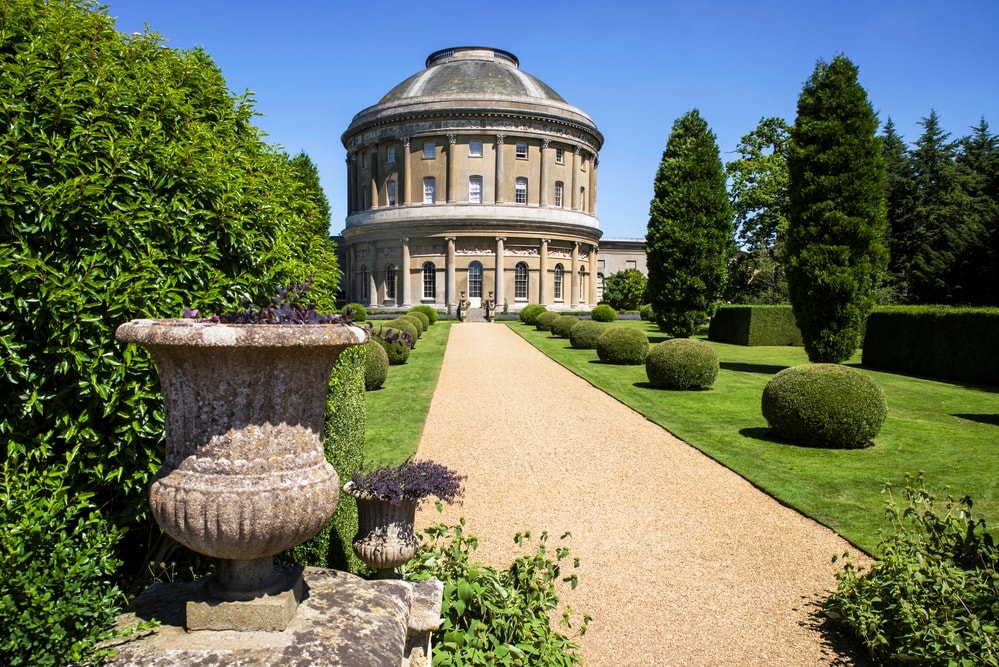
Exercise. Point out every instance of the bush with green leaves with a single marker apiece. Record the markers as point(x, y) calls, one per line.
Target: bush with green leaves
point(422, 317)
point(563, 324)
point(498, 616)
point(624, 290)
point(529, 313)
point(427, 310)
point(932, 598)
point(603, 313)
point(406, 325)
point(57, 601)
point(824, 405)
point(396, 343)
point(646, 313)
point(414, 320)
point(359, 312)
point(376, 363)
point(682, 363)
point(585, 334)
point(623, 346)
point(543, 322)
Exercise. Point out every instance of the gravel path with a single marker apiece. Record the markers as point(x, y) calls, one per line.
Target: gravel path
point(683, 562)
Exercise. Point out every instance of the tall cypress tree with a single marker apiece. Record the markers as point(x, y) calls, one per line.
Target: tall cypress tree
point(835, 240)
point(689, 239)
point(901, 200)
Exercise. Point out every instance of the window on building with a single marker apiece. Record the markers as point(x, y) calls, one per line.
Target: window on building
point(364, 160)
point(557, 283)
point(631, 264)
point(521, 151)
point(391, 193)
point(365, 292)
point(582, 199)
point(475, 148)
point(429, 150)
point(600, 287)
point(429, 281)
point(475, 280)
point(390, 282)
point(582, 285)
point(429, 190)
point(520, 281)
point(390, 154)
point(558, 194)
point(601, 264)
point(521, 191)
point(560, 156)
point(366, 196)
point(475, 189)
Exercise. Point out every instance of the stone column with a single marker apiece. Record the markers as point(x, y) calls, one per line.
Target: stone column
point(351, 185)
point(543, 274)
point(373, 168)
point(544, 173)
point(404, 168)
point(593, 275)
point(574, 195)
point(499, 270)
point(593, 186)
point(352, 276)
point(574, 281)
point(499, 168)
point(452, 169)
point(449, 296)
point(372, 278)
point(406, 277)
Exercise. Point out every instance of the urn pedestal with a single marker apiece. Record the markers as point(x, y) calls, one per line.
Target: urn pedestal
point(385, 537)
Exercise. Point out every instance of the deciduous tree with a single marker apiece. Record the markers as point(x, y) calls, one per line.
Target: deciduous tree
point(625, 290)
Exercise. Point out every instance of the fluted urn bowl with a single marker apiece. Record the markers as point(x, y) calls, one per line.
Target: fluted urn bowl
point(244, 476)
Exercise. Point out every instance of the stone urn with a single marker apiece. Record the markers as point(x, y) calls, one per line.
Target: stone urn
point(244, 476)
point(385, 537)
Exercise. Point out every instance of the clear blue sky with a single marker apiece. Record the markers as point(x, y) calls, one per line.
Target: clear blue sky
point(633, 66)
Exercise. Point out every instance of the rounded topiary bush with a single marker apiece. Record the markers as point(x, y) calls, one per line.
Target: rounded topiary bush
point(562, 325)
point(397, 350)
point(429, 311)
point(824, 405)
point(645, 312)
point(360, 312)
point(529, 313)
point(603, 313)
point(422, 317)
point(400, 324)
point(622, 345)
point(543, 322)
point(415, 321)
point(585, 334)
point(681, 363)
point(376, 363)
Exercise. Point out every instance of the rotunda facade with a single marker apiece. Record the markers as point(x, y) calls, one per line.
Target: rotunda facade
point(472, 179)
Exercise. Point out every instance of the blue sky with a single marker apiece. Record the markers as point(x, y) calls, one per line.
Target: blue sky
point(633, 66)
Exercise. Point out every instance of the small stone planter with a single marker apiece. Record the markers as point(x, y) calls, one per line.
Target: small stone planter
point(385, 537)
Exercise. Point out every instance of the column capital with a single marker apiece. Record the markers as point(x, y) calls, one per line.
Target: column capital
point(545, 142)
point(452, 138)
point(405, 239)
point(500, 138)
point(450, 238)
point(546, 240)
point(404, 140)
point(501, 238)
point(577, 149)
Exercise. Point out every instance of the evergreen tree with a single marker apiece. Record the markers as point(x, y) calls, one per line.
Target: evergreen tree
point(978, 160)
point(835, 239)
point(901, 201)
point(689, 239)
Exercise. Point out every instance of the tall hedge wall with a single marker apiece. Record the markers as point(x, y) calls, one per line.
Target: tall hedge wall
point(754, 325)
point(959, 344)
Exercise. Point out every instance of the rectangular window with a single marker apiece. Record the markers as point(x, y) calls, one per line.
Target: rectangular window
point(364, 160)
point(429, 150)
point(391, 193)
point(475, 189)
point(429, 189)
point(559, 156)
point(475, 148)
point(631, 264)
point(521, 192)
point(390, 154)
point(521, 151)
point(558, 194)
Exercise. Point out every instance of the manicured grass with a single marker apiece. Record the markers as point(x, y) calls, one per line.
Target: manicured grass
point(948, 431)
point(395, 414)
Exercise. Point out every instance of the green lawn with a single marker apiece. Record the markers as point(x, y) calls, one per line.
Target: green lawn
point(948, 431)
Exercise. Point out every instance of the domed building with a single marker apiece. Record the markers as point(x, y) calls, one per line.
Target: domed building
point(472, 178)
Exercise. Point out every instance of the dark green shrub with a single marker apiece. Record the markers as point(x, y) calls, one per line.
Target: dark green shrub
point(407, 325)
point(623, 346)
point(645, 312)
point(562, 325)
point(57, 557)
point(498, 616)
point(427, 310)
point(422, 317)
point(543, 322)
point(529, 313)
point(824, 405)
point(414, 320)
point(603, 313)
point(396, 346)
point(584, 335)
point(932, 598)
point(681, 363)
point(360, 313)
point(754, 325)
point(376, 365)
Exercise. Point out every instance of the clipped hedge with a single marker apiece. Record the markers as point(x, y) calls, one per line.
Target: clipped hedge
point(603, 313)
point(360, 313)
point(824, 405)
point(585, 334)
point(529, 313)
point(543, 322)
point(754, 325)
point(623, 346)
point(959, 344)
point(407, 325)
point(416, 315)
point(376, 363)
point(427, 310)
point(681, 363)
point(414, 320)
point(562, 325)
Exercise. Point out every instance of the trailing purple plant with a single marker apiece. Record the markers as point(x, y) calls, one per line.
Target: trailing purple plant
point(410, 480)
point(290, 305)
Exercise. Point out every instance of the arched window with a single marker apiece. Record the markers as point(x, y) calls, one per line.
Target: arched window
point(475, 280)
point(520, 281)
point(558, 282)
point(429, 281)
point(364, 283)
point(390, 282)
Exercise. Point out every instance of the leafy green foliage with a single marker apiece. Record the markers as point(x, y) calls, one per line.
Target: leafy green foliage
point(754, 325)
point(376, 363)
point(603, 313)
point(56, 554)
point(623, 346)
point(689, 239)
point(407, 326)
point(529, 313)
point(563, 324)
point(396, 343)
point(836, 254)
point(584, 335)
point(625, 290)
point(824, 405)
point(430, 312)
point(933, 596)
point(358, 312)
point(543, 322)
point(496, 616)
point(416, 321)
point(681, 363)
point(646, 313)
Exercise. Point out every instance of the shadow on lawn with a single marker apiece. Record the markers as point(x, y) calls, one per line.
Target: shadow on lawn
point(765, 369)
point(984, 419)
